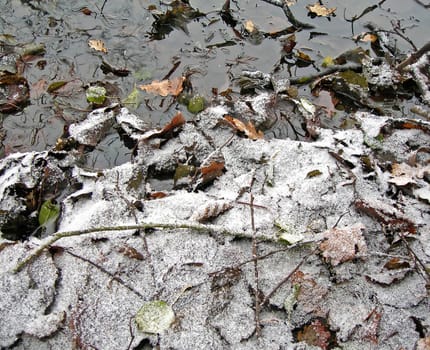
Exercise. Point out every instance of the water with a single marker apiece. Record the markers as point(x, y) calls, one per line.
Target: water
point(125, 27)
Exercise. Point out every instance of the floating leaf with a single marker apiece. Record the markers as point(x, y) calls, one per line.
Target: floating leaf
point(49, 212)
point(155, 317)
point(133, 100)
point(250, 27)
point(248, 129)
point(165, 87)
point(327, 62)
point(14, 93)
point(196, 104)
point(343, 244)
point(320, 10)
point(96, 94)
point(177, 121)
point(97, 45)
point(56, 85)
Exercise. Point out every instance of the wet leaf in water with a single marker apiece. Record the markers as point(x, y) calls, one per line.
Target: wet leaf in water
point(166, 132)
point(343, 244)
point(320, 10)
point(248, 129)
point(165, 87)
point(96, 94)
point(97, 45)
point(14, 93)
point(133, 100)
point(196, 104)
point(155, 317)
point(56, 85)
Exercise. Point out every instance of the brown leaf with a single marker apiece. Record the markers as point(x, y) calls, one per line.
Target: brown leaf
point(316, 333)
point(157, 195)
point(38, 88)
point(165, 87)
point(97, 45)
point(212, 171)
point(177, 121)
point(248, 129)
point(130, 252)
point(210, 210)
point(343, 244)
point(319, 10)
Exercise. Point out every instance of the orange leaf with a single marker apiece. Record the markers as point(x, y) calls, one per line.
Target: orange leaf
point(320, 10)
point(165, 87)
point(248, 129)
point(177, 121)
point(97, 45)
point(211, 172)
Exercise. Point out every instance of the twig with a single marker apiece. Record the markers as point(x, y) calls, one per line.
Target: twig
point(413, 57)
point(102, 269)
point(425, 273)
point(285, 280)
point(283, 4)
point(255, 258)
point(184, 225)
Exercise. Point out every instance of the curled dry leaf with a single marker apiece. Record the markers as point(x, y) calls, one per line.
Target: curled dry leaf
point(97, 45)
point(248, 129)
point(210, 210)
point(343, 244)
point(177, 121)
point(165, 87)
point(321, 11)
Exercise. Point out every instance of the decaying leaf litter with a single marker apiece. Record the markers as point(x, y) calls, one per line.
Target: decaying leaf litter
point(236, 251)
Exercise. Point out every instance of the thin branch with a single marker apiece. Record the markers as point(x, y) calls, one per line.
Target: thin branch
point(256, 275)
point(102, 269)
point(215, 229)
point(296, 23)
point(413, 57)
point(286, 278)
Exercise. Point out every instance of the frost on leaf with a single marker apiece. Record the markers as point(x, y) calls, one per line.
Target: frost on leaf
point(165, 87)
point(210, 210)
point(343, 244)
point(155, 317)
point(316, 333)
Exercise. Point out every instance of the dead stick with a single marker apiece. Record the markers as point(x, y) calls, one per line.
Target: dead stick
point(255, 258)
point(285, 280)
point(191, 226)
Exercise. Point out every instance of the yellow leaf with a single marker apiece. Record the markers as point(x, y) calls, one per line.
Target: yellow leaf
point(97, 45)
point(250, 26)
point(165, 87)
point(320, 10)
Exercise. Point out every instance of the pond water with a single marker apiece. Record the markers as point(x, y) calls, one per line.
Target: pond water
point(208, 48)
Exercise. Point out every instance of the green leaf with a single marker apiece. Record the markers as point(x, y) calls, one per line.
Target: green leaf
point(196, 104)
point(96, 94)
point(134, 99)
point(56, 85)
point(155, 317)
point(313, 173)
point(49, 212)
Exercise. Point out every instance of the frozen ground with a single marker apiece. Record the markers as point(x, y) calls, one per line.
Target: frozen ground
point(343, 240)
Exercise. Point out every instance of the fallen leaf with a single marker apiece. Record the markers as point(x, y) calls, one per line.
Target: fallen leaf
point(367, 37)
point(321, 11)
point(165, 87)
point(316, 333)
point(177, 121)
point(130, 252)
point(343, 244)
point(250, 27)
point(403, 174)
point(155, 317)
point(210, 210)
point(97, 45)
point(38, 88)
point(248, 129)
point(212, 171)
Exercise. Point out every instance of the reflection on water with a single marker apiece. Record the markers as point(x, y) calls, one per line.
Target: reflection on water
point(138, 40)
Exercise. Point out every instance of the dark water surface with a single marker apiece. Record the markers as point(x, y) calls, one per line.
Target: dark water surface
point(127, 29)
